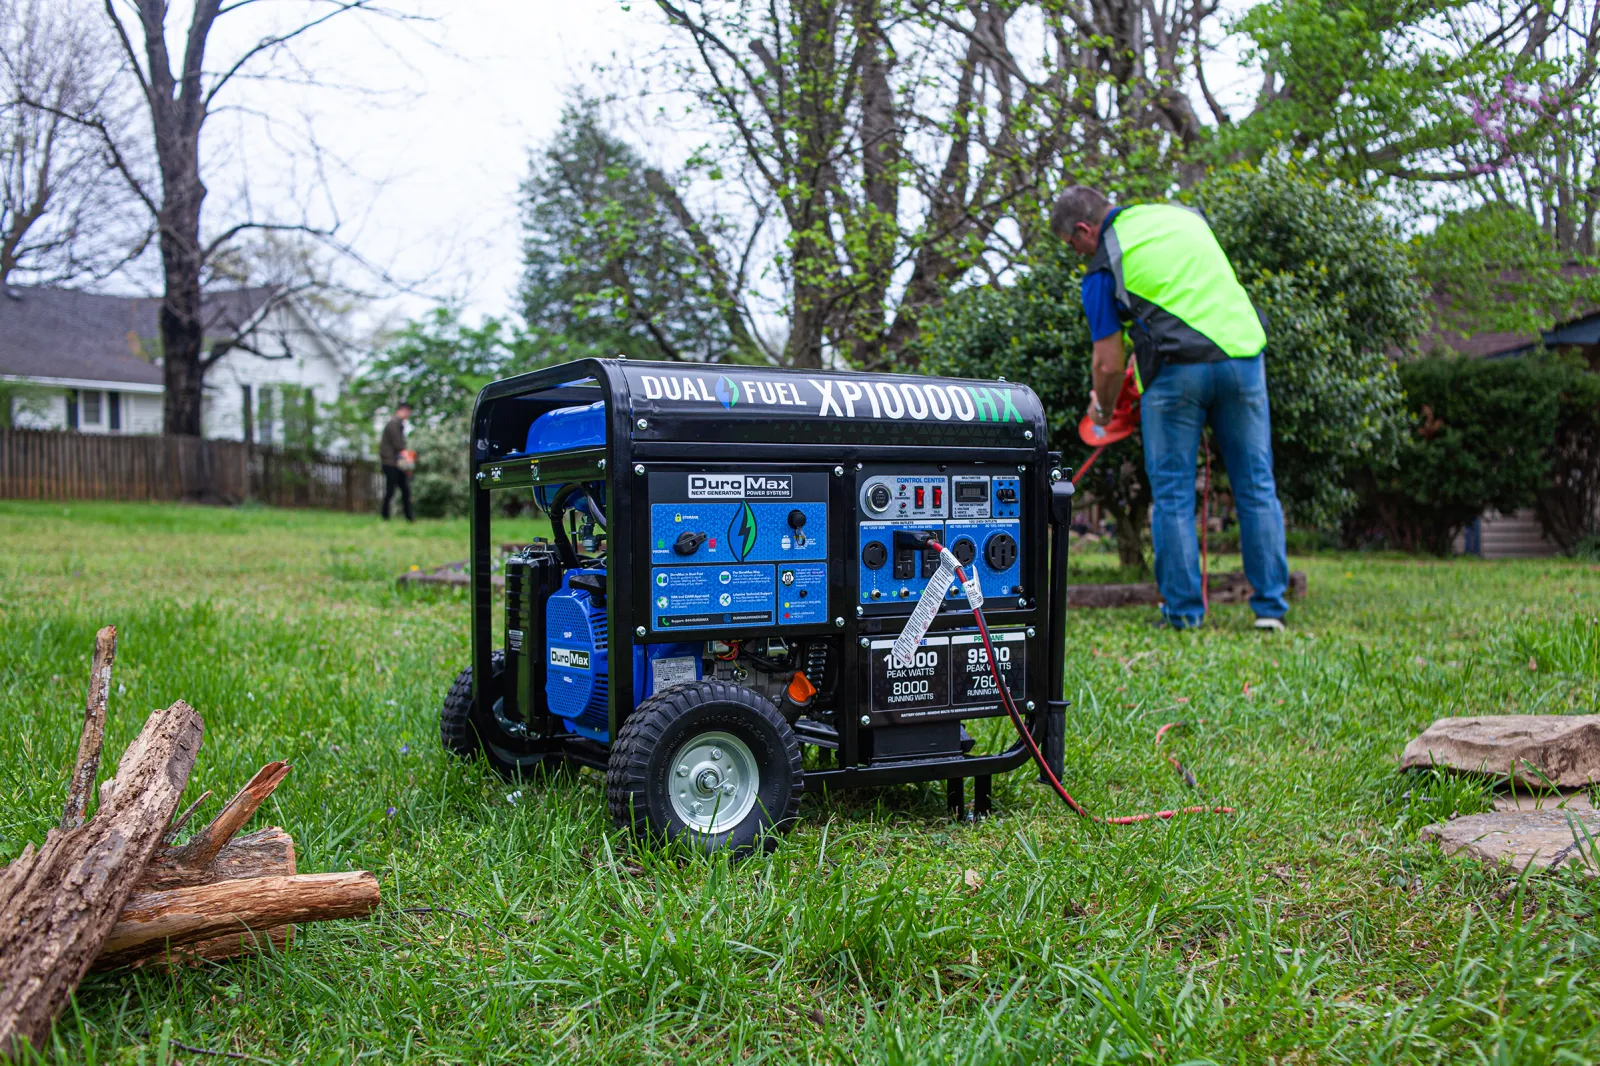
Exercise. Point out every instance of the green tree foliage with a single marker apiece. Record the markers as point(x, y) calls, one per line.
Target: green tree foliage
point(1482, 433)
point(1495, 269)
point(612, 260)
point(1334, 281)
point(439, 363)
point(1478, 122)
point(441, 486)
point(1498, 101)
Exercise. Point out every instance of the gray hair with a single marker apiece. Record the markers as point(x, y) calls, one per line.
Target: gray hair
point(1078, 204)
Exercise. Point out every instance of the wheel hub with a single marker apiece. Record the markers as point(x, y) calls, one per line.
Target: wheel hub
point(715, 781)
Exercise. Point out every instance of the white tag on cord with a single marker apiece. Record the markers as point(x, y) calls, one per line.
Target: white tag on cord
point(928, 604)
point(973, 590)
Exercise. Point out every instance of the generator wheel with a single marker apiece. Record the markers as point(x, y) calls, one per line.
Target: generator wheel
point(711, 761)
point(493, 737)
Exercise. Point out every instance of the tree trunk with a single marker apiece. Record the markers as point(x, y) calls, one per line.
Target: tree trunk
point(156, 922)
point(804, 348)
point(58, 904)
point(182, 328)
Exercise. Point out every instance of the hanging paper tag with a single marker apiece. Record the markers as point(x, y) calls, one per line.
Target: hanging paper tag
point(974, 592)
point(928, 604)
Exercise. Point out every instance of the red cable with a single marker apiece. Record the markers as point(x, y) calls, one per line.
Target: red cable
point(1033, 747)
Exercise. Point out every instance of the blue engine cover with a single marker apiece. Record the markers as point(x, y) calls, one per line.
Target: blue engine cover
point(577, 685)
point(566, 428)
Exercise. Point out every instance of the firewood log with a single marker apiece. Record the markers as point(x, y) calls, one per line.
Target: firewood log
point(58, 904)
point(169, 918)
point(265, 853)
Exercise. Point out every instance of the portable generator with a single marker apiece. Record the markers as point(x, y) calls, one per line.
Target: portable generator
point(735, 553)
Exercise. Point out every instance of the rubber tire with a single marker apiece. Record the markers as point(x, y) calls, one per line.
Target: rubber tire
point(460, 734)
point(638, 776)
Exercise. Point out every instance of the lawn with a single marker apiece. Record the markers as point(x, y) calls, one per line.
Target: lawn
point(1310, 927)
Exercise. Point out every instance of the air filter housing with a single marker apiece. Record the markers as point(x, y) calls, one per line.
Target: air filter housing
point(576, 685)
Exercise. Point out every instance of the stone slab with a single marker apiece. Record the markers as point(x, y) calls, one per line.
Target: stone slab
point(1563, 748)
point(1546, 839)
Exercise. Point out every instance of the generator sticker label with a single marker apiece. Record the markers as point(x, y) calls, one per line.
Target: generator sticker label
point(837, 396)
point(971, 679)
point(740, 486)
point(706, 597)
point(677, 670)
point(803, 594)
point(570, 658)
point(923, 685)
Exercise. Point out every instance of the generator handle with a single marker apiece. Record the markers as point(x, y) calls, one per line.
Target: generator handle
point(1055, 717)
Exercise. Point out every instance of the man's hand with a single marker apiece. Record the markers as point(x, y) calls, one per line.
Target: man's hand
point(1099, 415)
point(1109, 365)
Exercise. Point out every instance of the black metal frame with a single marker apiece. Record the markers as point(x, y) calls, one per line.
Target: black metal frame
point(642, 436)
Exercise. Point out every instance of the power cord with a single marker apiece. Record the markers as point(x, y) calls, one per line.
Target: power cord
point(976, 602)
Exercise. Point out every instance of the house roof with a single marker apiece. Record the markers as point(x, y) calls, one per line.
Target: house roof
point(1445, 334)
point(64, 334)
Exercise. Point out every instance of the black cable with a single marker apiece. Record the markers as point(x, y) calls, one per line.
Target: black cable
point(592, 491)
point(565, 552)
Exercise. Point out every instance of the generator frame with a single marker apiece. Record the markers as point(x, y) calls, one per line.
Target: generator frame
point(640, 438)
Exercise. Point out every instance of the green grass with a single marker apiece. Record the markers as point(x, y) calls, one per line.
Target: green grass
point(1311, 927)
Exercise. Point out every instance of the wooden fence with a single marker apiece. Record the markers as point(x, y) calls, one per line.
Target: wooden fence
point(53, 465)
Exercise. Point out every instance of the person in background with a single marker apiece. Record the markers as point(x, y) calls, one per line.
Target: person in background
point(397, 461)
point(1199, 346)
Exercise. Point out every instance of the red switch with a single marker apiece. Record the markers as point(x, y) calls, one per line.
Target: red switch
point(919, 497)
point(938, 497)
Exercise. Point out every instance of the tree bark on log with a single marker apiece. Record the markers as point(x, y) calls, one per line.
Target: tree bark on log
point(265, 853)
point(157, 921)
point(58, 904)
point(94, 728)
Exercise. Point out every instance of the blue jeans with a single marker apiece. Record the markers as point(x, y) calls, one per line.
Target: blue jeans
point(1232, 396)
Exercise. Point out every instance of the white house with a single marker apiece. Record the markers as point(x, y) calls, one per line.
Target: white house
point(92, 363)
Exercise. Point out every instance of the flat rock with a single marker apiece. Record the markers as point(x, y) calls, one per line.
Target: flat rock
point(1538, 750)
point(1545, 839)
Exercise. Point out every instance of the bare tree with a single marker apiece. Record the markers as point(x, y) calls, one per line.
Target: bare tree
point(180, 91)
point(64, 211)
point(906, 145)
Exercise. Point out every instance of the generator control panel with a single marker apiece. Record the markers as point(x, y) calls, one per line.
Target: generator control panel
point(974, 510)
point(740, 549)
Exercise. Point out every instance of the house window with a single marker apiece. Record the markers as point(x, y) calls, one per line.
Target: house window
point(72, 408)
point(247, 424)
point(90, 413)
point(264, 413)
point(114, 411)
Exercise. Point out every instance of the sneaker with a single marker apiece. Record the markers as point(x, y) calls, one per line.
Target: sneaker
point(1270, 625)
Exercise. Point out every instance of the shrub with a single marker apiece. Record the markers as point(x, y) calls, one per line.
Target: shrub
point(1568, 501)
point(441, 486)
point(1481, 433)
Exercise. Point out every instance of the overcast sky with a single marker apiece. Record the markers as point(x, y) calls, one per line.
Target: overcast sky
point(427, 156)
point(428, 126)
